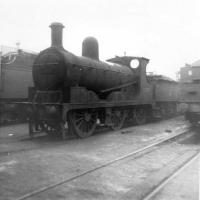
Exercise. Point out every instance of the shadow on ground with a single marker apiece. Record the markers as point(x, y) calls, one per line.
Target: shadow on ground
point(195, 138)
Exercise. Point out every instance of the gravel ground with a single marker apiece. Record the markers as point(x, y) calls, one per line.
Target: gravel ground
point(184, 186)
point(27, 165)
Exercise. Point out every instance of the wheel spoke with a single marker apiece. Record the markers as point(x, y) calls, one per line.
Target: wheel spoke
point(78, 121)
point(87, 127)
point(79, 124)
point(81, 127)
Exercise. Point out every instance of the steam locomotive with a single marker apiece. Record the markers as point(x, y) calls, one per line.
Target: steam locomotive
point(190, 92)
point(74, 94)
point(15, 78)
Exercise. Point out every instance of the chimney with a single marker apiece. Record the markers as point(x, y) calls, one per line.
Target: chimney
point(56, 34)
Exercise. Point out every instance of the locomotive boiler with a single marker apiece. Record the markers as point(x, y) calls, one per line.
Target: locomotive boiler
point(57, 68)
point(73, 94)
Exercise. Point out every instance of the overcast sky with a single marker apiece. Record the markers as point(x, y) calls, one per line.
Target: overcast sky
point(165, 31)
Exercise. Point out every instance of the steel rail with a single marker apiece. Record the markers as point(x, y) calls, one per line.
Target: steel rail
point(134, 153)
point(171, 176)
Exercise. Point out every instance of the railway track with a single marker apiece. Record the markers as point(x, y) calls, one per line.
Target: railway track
point(135, 154)
point(163, 183)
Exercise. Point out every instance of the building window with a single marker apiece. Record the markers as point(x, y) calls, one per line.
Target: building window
point(190, 72)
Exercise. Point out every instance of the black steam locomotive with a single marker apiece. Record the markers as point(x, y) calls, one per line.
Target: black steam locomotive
point(75, 94)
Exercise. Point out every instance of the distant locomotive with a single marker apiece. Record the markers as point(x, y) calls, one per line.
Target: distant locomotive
point(75, 94)
point(15, 78)
point(190, 92)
